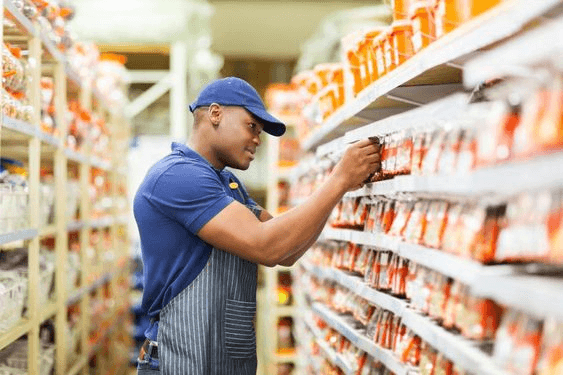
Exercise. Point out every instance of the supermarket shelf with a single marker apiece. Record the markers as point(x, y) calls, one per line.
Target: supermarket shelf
point(508, 59)
point(19, 235)
point(447, 108)
point(462, 351)
point(283, 357)
point(49, 230)
point(361, 238)
point(48, 310)
point(358, 339)
point(15, 333)
point(76, 225)
point(77, 296)
point(464, 270)
point(329, 353)
point(76, 156)
point(356, 284)
point(21, 130)
point(500, 180)
point(543, 294)
point(334, 358)
point(102, 222)
point(22, 22)
point(99, 163)
point(282, 311)
point(429, 66)
point(51, 48)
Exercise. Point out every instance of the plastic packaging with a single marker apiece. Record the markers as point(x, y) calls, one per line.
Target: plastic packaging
point(402, 35)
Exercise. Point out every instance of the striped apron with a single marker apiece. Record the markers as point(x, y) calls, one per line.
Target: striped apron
point(209, 328)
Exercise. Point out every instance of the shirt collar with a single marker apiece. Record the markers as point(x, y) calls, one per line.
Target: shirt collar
point(186, 151)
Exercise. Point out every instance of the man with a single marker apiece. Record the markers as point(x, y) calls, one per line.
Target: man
point(202, 236)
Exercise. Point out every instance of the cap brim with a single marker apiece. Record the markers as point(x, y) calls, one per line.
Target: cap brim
point(272, 125)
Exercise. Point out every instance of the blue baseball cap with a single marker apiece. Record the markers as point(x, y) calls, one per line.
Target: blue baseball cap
point(232, 91)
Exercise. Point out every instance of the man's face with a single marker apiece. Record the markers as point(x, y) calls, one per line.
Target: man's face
point(238, 137)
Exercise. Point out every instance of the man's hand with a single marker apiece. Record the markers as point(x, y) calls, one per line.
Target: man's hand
point(360, 160)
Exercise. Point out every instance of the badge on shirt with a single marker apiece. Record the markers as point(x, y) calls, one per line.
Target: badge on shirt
point(233, 185)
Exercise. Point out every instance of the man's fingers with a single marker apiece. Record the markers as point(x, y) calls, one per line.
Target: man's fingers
point(367, 142)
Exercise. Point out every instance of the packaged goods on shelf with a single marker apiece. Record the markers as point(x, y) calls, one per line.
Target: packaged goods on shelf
point(15, 80)
point(528, 345)
point(14, 360)
point(83, 58)
point(52, 16)
point(16, 260)
point(111, 79)
point(73, 197)
point(13, 292)
point(47, 200)
point(14, 196)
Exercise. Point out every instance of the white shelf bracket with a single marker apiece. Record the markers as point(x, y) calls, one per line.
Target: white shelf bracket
point(148, 97)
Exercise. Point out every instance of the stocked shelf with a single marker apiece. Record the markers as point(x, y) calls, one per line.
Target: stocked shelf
point(16, 332)
point(20, 235)
point(356, 283)
point(540, 296)
point(358, 339)
point(508, 60)
point(435, 65)
point(462, 351)
point(500, 180)
point(22, 22)
point(56, 131)
point(334, 358)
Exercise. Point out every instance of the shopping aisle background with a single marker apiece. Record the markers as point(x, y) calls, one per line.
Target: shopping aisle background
point(447, 261)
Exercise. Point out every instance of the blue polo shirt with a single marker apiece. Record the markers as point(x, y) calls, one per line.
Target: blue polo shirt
point(178, 196)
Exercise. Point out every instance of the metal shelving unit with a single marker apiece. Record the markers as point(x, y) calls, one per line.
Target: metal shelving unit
point(28, 143)
point(438, 64)
point(270, 311)
point(489, 46)
point(359, 340)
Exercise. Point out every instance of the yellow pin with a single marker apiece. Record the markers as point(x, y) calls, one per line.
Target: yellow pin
point(233, 185)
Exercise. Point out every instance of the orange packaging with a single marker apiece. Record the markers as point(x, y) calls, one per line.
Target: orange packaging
point(424, 28)
point(364, 48)
point(549, 129)
point(551, 359)
point(437, 220)
point(402, 41)
point(353, 79)
point(371, 42)
point(416, 225)
point(379, 51)
point(526, 352)
point(400, 9)
point(482, 318)
point(450, 14)
point(389, 51)
point(480, 6)
point(554, 224)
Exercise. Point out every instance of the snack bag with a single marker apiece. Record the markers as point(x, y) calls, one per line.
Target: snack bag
point(551, 358)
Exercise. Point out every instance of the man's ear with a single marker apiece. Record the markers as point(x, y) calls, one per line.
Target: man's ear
point(215, 113)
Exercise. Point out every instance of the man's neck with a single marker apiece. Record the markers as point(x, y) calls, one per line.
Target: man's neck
point(205, 152)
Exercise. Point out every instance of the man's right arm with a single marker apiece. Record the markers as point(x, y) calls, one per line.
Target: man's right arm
point(236, 230)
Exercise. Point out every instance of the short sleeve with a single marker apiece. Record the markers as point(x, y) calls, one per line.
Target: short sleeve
point(191, 194)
